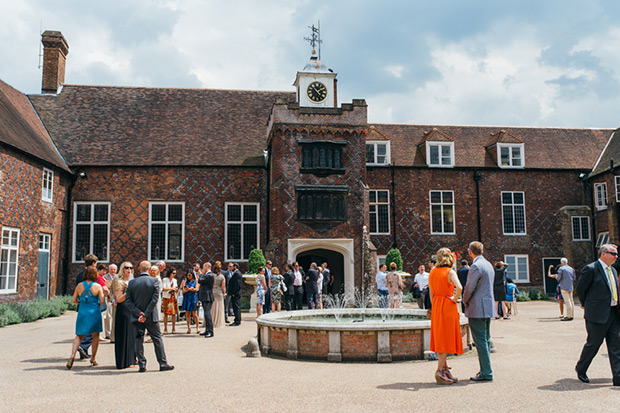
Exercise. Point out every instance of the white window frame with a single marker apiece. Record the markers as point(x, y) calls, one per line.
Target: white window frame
point(513, 213)
point(527, 265)
point(617, 182)
point(602, 238)
point(388, 155)
point(380, 260)
point(441, 204)
point(226, 222)
point(376, 204)
point(600, 196)
point(510, 147)
point(166, 222)
point(92, 223)
point(580, 220)
point(440, 145)
point(47, 186)
point(10, 248)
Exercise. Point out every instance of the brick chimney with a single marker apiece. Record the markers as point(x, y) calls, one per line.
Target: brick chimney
point(55, 50)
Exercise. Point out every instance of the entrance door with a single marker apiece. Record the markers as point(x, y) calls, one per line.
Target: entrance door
point(335, 263)
point(43, 277)
point(550, 283)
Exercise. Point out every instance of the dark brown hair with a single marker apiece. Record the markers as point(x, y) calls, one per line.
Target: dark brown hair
point(90, 274)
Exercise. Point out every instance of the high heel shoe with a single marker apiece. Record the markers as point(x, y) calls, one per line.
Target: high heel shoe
point(446, 373)
point(94, 363)
point(441, 378)
point(70, 363)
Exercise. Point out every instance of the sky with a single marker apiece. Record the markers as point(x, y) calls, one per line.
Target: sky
point(542, 63)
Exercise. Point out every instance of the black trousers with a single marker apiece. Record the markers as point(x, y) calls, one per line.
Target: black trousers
point(288, 301)
point(206, 308)
point(153, 329)
point(610, 332)
point(227, 308)
point(298, 299)
point(267, 305)
point(235, 302)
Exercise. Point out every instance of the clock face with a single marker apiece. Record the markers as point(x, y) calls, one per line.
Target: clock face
point(317, 92)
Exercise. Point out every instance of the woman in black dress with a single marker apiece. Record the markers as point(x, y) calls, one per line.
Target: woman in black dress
point(499, 289)
point(124, 332)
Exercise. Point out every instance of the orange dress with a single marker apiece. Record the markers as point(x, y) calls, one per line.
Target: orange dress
point(445, 325)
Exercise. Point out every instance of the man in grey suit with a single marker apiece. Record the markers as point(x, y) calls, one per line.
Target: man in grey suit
point(479, 307)
point(141, 298)
point(597, 289)
point(205, 295)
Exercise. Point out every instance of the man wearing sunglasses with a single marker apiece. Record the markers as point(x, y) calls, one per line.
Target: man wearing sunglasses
point(597, 290)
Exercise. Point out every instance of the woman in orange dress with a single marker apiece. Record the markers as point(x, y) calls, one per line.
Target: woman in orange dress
point(445, 320)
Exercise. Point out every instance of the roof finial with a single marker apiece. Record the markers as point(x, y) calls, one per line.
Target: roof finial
point(315, 39)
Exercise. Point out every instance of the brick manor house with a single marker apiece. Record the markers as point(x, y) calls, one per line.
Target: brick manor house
point(185, 175)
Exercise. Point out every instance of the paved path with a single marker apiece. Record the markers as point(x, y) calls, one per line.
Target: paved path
point(533, 372)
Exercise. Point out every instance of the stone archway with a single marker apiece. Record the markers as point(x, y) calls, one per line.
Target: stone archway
point(341, 246)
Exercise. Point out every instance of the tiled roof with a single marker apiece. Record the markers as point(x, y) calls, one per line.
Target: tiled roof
point(101, 125)
point(22, 129)
point(552, 148)
point(611, 153)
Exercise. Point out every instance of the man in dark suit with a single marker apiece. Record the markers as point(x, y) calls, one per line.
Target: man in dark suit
point(141, 298)
point(234, 292)
point(289, 279)
point(312, 277)
point(597, 289)
point(462, 274)
point(267, 305)
point(227, 308)
point(205, 295)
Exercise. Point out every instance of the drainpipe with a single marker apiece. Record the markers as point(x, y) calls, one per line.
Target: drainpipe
point(268, 197)
point(588, 190)
point(65, 258)
point(393, 207)
point(477, 178)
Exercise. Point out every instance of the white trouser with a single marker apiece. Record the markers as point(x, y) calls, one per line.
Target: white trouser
point(569, 304)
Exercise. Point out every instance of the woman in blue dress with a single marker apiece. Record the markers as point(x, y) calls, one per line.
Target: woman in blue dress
point(89, 296)
point(261, 290)
point(190, 298)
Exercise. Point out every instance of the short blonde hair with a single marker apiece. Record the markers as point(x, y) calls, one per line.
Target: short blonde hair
point(445, 258)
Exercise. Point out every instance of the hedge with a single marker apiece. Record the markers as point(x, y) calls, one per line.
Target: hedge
point(26, 312)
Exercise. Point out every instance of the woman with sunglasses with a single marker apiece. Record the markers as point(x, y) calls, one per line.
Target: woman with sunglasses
point(124, 338)
point(169, 303)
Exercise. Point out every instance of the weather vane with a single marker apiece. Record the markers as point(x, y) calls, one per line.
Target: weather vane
point(315, 39)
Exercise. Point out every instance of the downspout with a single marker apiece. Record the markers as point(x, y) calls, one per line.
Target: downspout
point(477, 178)
point(268, 197)
point(588, 190)
point(393, 207)
point(65, 258)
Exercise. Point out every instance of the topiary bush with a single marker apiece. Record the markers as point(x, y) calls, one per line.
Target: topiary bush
point(15, 313)
point(523, 296)
point(393, 255)
point(536, 294)
point(255, 260)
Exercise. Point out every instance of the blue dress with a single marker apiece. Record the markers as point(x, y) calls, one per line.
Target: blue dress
point(89, 313)
point(190, 297)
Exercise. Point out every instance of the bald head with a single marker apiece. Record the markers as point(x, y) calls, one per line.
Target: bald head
point(145, 266)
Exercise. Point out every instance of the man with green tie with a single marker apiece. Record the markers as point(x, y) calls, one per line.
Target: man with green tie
point(597, 289)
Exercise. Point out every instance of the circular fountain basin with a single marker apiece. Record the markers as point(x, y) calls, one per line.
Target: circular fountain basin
point(348, 334)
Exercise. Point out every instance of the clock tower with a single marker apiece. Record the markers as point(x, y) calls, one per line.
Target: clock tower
point(316, 85)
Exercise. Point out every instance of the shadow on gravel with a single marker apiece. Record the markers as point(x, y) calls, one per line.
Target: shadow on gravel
point(576, 385)
point(69, 340)
point(46, 360)
point(420, 386)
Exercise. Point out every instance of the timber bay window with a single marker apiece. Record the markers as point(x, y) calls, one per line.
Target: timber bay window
point(47, 188)
point(517, 268)
point(513, 213)
point(321, 204)
point(9, 260)
point(241, 230)
point(600, 196)
point(322, 158)
point(91, 230)
point(581, 228)
point(440, 154)
point(166, 231)
point(378, 153)
point(510, 155)
point(442, 212)
point(379, 208)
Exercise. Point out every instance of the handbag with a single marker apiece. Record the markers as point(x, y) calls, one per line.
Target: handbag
point(283, 287)
point(103, 307)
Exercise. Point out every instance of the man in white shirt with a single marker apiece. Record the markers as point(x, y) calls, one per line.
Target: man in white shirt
point(421, 282)
point(382, 290)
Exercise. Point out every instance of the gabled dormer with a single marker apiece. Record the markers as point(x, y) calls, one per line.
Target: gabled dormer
point(507, 150)
point(377, 148)
point(438, 149)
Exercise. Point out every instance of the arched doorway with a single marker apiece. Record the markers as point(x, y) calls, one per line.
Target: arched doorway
point(335, 263)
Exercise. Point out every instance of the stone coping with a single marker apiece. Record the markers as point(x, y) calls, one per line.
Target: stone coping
point(283, 320)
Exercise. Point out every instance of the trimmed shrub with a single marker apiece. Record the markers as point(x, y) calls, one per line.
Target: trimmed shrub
point(15, 313)
point(393, 255)
point(9, 315)
point(256, 259)
point(408, 297)
point(523, 296)
point(536, 294)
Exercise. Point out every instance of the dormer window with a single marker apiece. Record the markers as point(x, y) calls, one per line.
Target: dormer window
point(440, 154)
point(510, 155)
point(378, 153)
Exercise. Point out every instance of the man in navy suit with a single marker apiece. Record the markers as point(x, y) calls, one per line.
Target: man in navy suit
point(597, 289)
point(205, 295)
point(312, 277)
point(141, 298)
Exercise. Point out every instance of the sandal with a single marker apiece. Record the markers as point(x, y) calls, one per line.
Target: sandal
point(441, 378)
point(94, 363)
point(70, 363)
point(189, 331)
point(446, 372)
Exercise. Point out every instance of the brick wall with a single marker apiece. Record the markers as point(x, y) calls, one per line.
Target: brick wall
point(313, 343)
point(406, 344)
point(358, 345)
point(279, 340)
point(21, 207)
